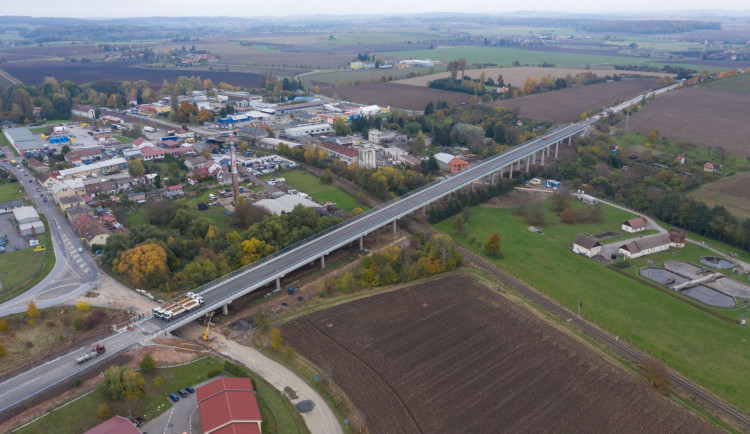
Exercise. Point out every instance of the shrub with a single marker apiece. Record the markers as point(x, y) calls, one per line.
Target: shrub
point(622, 264)
point(95, 318)
point(213, 372)
point(102, 412)
point(4, 326)
point(148, 365)
point(50, 323)
point(28, 344)
point(78, 382)
point(83, 306)
point(2, 350)
point(79, 323)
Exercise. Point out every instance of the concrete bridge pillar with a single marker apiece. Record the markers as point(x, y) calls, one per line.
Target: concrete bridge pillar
point(533, 158)
point(225, 309)
point(528, 159)
point(519, 165)
point(570, 138)
point(493, 177)
point(424, 210)
point(556, 146)
point(548, 150)
point(510, 171)
point(394, 222)
point(323, 260)
point(361, 243)
point(278, 283)
point(542, 157)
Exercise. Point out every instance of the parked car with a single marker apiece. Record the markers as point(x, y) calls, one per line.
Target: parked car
point(183, 393)
point(174, 397)
point(190, 389)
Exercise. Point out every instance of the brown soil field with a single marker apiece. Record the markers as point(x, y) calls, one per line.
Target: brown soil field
point(517, 76)
point(34, 72)
point(450, 355)
point(395, 95)
point(703, 116)
point(567, 105)
point(731, 193)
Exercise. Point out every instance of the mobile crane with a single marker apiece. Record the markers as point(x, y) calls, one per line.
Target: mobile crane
point(206, 336)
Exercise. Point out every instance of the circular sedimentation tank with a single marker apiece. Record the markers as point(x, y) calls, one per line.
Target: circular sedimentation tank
point(716, 262)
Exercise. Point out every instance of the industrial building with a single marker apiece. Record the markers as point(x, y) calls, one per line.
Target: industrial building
point(24, 140)
point(307, 130)
point(285, 203)
point(27, 221)
point(103, 167)
point(228, 405)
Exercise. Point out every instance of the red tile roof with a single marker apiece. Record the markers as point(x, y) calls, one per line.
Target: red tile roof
point(343, 150)
point(228, 404)
point(115, 425)
point(636, 223)
point(175, 187)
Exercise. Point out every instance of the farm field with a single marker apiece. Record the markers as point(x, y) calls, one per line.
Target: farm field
point(365, 75)
point(691, 340)
point(34, 72)
point(740, 83)
point(504, 56)
point(703, 116)
point(396, 354)
point(517, 76)
point(319, 191)
point(394, 95)
point(731, 193)
point(567, 105)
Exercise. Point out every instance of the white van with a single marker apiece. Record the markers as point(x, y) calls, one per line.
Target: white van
point(211, 196)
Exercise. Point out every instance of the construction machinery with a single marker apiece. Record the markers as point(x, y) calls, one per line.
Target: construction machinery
point(206, 336)
point(91, 351)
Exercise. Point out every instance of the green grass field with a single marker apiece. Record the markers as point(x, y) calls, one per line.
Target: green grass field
point(4, 140)
point(124, 140)
point(24, 268)
point(10, 191)
point(689, 339)
point(80, 415)
point(503, 56)
point(365, 75)
point(384, 37)
point(740, 83)
point(311, 185)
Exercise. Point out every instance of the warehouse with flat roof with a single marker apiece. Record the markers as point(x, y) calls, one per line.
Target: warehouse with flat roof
point(24, 140)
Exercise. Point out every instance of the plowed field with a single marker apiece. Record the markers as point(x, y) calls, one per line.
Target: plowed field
point(395, 95)
point(699, 115)
point(452, 356)
point(567, 105)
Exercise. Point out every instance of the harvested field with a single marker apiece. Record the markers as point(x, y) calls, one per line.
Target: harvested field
point(452, 356)
point(33, 72)
point(567, 105)
point(517, 76)
point(731, 193)
point(705, 117)
point(394, 95)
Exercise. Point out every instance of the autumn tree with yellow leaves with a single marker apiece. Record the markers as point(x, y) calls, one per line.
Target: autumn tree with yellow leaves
point(143, 265)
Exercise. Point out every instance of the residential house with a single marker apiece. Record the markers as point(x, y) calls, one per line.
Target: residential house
point(47, 179)
point(195, 175)
point(137, 196)
point(680, 159)
point(110, 187)
point(585, 245)
point(632, 226)
point(6, 207)
point(194, 162)
point(37, 166)
point(76, 211)
point(66, 188)
point(174, 191)
point(69, 201)
point(378, 137)
point(150, 154)
point(141, 143)
point(709, 167)
point(95, 233)
point(645, 246)
point(170, 144)
point(82, 111)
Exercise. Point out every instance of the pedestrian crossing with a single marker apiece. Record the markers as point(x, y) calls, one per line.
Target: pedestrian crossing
point(74, 255)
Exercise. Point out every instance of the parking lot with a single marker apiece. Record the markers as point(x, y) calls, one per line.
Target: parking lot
point(14, 239)
point(183, 417)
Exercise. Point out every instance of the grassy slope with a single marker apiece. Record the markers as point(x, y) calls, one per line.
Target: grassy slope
point(689, 339)
point(311, 185)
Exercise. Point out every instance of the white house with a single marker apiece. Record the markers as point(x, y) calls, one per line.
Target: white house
point(634, 225)
point(645, 246)
point(585, 245)
point(82, 111)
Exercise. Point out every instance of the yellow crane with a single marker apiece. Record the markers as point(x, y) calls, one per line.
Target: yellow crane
point(206, 336)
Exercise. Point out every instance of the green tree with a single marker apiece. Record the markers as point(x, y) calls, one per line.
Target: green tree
point(459, 224)
point(133, 384)
point(102, 411)
point(112, 386)
point(157, 181)
point(261, 319)
point(186, 110)
point(418, 143)
point(158, 381)
point(147, 365)
point(339, 127)
point(492, 247)
point(135, 168)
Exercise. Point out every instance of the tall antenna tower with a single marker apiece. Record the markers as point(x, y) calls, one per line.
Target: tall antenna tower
point(235, 175)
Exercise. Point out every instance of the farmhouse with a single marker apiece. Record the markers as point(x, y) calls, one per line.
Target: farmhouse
point(634, 225)
point(585, 245)
point(645, 246)
point(23, 140)
point(82, 111)
point(228, 405)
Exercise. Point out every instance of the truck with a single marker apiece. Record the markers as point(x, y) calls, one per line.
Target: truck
point(149, 129)
point(172, 309)
point(91, 351)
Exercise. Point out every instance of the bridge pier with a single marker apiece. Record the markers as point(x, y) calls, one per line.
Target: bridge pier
point(493, 177)
point(533, 158)
point(570, 138)
point(510, 171)
point(556, 146)
point(527, 163)
point(278, 283)
point(542, 157)
point(323, 260)
point(225, 309)
point(361, 243)
point(394, 222)
point(548, 150)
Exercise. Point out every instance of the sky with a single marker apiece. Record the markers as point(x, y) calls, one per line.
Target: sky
point(254, 8)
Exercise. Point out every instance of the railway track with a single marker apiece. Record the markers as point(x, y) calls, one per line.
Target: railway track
point(614, 344)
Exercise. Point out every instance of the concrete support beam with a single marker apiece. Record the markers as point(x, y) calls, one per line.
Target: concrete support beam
point(424, 210)
point(493, 177)
point(542, 157)
point(570, 138)
point(548, 150)
point(323, 261)
point(225, 309)
point(278, 283)
point(556, 146)
point(528, 159)
point(533, 158)
point(361, 243)
point(510, 172)
point(394, 222)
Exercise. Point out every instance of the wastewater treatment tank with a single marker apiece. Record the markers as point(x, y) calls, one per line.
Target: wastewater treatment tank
point(716, 262)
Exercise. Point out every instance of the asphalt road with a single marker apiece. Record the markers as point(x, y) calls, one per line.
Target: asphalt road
point(73, 271)
point(234, 285)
